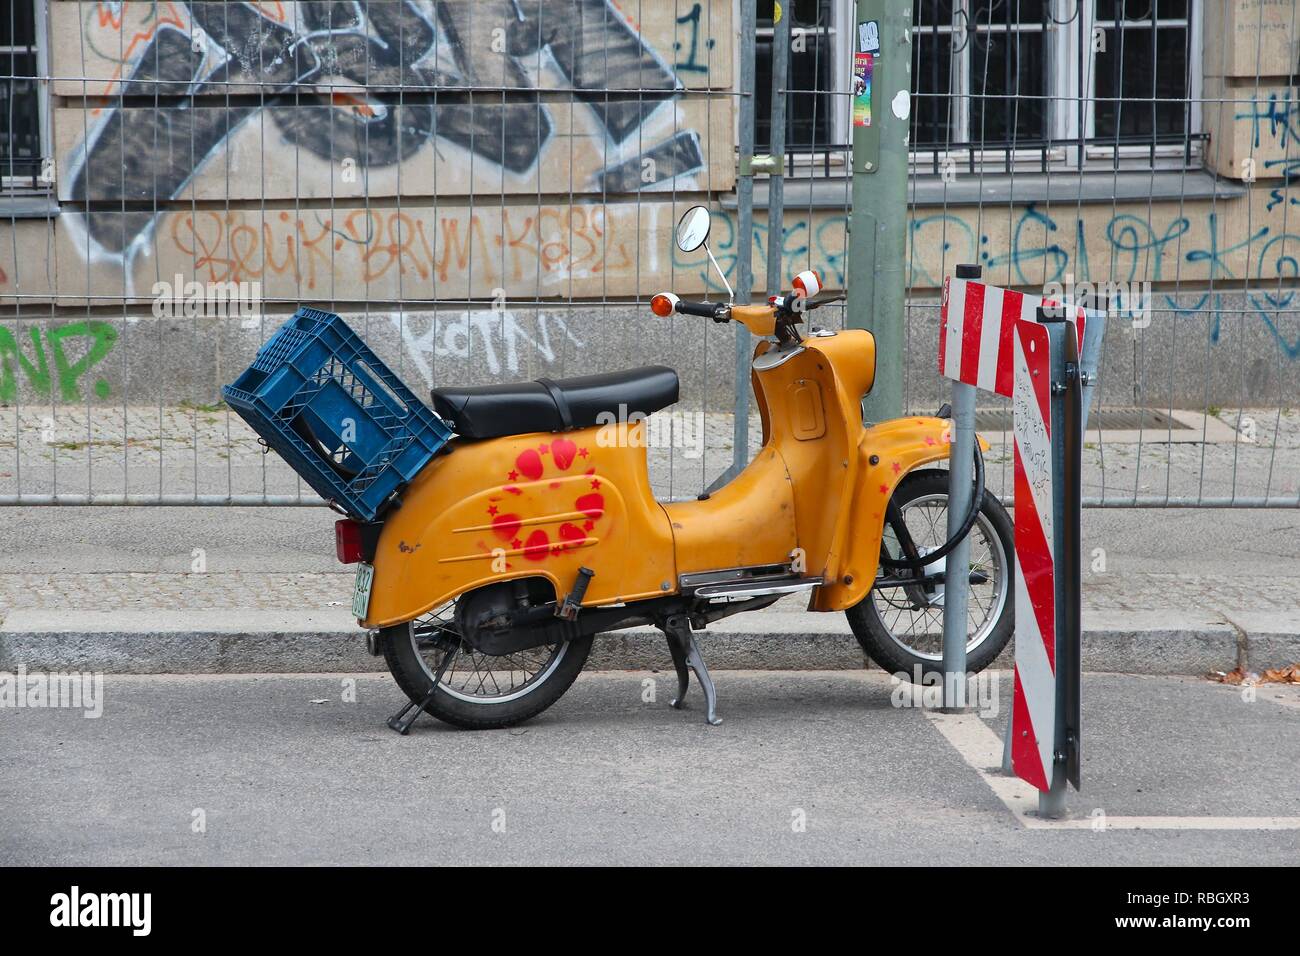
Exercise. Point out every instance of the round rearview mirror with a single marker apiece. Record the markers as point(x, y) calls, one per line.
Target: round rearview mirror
point(693, 228)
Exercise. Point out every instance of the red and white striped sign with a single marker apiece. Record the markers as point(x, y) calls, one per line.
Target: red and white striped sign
point(1033, 715)
point(976, 328)
point(991, 338)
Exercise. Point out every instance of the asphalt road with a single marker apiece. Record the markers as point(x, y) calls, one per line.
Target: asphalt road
point(605, 777)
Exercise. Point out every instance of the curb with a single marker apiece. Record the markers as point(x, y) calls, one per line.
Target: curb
point(232, 642)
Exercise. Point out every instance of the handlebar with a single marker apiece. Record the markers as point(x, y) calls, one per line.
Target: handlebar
point(708, 310)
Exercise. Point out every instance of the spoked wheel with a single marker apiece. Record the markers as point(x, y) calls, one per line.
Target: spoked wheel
point(901, 628)
point(478, 691)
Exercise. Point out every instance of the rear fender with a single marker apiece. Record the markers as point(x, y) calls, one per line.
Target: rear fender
point(887, 453)
point(540, 505)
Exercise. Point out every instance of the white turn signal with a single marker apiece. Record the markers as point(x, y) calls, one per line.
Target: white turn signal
point(807, 284)
point(663, 304)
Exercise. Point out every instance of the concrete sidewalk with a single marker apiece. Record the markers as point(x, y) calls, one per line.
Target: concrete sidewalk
point(807, 768)
point(113, 589)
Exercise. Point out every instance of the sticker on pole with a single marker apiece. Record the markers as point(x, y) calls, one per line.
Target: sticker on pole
point(1033, 713)
point(863, 64)
point(869, 37)
point(976, 326)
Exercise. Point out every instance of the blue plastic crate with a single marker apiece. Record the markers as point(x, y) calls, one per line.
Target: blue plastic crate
point(322, 399)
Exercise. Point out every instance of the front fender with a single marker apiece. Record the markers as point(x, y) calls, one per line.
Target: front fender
point(886, 453)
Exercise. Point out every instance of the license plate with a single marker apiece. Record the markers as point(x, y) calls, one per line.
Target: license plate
point(361, 590)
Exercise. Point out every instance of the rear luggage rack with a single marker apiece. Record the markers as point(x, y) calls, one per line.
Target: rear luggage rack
point(342, 420)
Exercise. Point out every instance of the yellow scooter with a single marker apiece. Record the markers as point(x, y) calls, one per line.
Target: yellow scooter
point(539, 530)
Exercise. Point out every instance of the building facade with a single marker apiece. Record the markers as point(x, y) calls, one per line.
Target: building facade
point(488, 187)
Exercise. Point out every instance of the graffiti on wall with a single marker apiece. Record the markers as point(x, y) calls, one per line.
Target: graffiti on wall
point(391, 76)
point(46, 361)
point(495, 340)
point(1038, 247)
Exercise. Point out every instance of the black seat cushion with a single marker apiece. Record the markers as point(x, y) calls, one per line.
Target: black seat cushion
point(489, 411)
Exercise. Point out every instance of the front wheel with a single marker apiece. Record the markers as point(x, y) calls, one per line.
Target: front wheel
point(901, 628)
point(478, 691)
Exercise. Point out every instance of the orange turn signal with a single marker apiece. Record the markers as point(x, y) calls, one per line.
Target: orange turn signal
point(663, 304)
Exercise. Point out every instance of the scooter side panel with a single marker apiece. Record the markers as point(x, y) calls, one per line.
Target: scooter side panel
point(746, 523)
point(539, 505)
point(900, 445)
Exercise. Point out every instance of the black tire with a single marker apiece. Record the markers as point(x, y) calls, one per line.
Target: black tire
point(865, 617)
point(414, 675)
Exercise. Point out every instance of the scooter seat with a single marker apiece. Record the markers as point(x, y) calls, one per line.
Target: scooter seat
point(546, 405)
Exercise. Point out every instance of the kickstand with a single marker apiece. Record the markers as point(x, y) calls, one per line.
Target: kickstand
point(404, 718)
point(681, 643)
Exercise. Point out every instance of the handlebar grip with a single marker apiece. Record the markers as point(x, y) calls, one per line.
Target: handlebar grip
point(704, 309)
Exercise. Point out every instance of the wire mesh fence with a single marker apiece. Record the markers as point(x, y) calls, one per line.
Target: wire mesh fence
point(486, 192)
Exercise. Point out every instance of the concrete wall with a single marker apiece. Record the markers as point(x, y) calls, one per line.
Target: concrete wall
point(1188, 357)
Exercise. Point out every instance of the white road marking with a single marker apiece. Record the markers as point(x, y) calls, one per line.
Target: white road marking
point(981, 748)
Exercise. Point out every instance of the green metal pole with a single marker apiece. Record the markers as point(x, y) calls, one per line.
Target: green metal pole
point(882, 66)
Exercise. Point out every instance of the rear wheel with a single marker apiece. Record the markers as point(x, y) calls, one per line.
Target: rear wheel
point(478, 691)
point(901, 628)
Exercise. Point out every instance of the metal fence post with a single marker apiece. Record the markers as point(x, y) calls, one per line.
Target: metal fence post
point(882, 56)
point(744, 239)
point(956, 591)
point(776, 150)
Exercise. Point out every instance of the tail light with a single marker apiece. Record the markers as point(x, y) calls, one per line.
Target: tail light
point(663, 304)
point(347, 540)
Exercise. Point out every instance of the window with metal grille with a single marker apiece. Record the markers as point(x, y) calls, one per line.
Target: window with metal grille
point(20, 110)
point(980, 72)
point(1003, 83)
point(812, 108)
point(1141, 72)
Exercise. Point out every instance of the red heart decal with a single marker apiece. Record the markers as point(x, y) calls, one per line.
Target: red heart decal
point(537, 545)
point(593, 506)
point(572, 535)
point(506, 526)
point(563, 452)
point(530, 463)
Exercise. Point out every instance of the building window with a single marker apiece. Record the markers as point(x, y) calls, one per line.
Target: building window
point(20, 97)
point(1010, 83)
point(980, 73)
point(812, 108)
point(1136, 103)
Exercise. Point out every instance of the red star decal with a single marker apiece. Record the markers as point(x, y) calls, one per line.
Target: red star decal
point(543, 449)
point(929, 439)
point(884, 489)
point(595, 482)
point(516, 544)
point(513, 476)
point(897, 468)
point(587, 526)
point(493, 510)
point(582, 453)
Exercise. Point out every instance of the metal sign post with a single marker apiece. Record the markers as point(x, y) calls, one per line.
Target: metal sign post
point(956, 591)
point(1044, 357)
